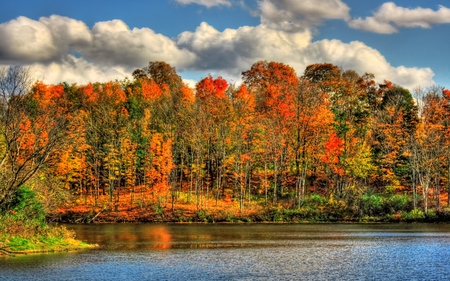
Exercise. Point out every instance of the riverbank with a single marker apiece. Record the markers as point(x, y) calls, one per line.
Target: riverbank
point(39, 246)
point(389, 208)
point(21, 236)
point(185, 213)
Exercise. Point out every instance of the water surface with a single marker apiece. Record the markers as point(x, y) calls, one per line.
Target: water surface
point(245, 252)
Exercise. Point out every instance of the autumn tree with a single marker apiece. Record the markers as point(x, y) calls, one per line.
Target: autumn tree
point(350, 99)
point(274, 85)
point(394, 122)
point(310, 124)
point(428, 145)
point(161, 73)
point(33, 126)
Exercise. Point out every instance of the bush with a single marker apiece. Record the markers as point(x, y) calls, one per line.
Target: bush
point(396, 203)
point(17, 225)
point(26, 204)
point(414, 215)
point(289, 215)
point(372, 204)
point(317, 200)
point(400, 202)
point(431, 214)
point(336, 209)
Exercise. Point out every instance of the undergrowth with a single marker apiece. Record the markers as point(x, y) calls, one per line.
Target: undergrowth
point(23, 227)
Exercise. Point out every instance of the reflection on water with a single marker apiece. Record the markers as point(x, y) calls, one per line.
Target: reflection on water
point(245, 251)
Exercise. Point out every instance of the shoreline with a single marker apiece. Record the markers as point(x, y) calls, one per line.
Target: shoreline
point(203, 216)
point(46, 249)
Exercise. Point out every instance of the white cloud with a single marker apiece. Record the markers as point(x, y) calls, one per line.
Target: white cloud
point(373, 25)
point(67, 33)
point(294, 15)
point(77, 70)
point(191, 83)
point(229, 52)
point(207, 3)
point(389, 17)
point(25, 41)
point(109, 45)
point(234, 50)
point(362, 58)
point(64, 49)
point(115, 44)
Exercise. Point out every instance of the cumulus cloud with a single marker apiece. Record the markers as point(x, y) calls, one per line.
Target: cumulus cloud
point(234, 50)
point(115, 44)
point(77, 70)
point(293, 15)
point(362, 58)
point(67, 33)
point(207, 3)
point(64, 49)
point(51, 42)
point(389, 17)
point(26, 41)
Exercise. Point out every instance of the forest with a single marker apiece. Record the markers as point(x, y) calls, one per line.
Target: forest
point(327, 145)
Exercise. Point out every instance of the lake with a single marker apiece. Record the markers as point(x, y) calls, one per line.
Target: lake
point(245, 252)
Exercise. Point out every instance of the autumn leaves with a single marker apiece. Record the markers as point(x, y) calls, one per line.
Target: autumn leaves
point(276, 138)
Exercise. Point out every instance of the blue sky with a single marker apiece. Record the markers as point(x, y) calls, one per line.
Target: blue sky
point(81, 41)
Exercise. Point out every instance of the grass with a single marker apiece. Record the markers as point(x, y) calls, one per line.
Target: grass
point(19, 235)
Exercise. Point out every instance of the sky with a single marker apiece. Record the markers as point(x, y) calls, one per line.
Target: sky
point(406, 42)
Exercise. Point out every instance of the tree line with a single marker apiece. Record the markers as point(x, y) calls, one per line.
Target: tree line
point(276, 139)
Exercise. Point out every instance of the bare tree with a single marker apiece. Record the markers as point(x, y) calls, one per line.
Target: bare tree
point(29, 133)
point(427, 145)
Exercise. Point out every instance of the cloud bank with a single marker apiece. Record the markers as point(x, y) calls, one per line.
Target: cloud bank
point(389, 17)
point(65, 49)
point(235, 50)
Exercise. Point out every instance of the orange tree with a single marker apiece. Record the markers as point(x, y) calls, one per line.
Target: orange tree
point(33, 126)
point(274, 85)
point(349, 96)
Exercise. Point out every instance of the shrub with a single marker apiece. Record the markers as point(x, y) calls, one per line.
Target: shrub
point(400, 202)
point(396, 203)
point(372, 204)
point(415, 214)
point(317, 200)
point(431, 215)
point(26, 204)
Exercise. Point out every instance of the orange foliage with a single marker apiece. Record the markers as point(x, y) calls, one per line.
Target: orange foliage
point(333, 148)
point(150, 90)
point(187, 94)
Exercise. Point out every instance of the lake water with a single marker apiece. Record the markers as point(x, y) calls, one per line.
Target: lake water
point(245, 252)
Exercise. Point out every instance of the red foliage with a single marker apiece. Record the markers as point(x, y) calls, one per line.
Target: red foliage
point(208, 87)
point(333, 148)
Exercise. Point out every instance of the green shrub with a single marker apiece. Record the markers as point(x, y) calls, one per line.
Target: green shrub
point(431, 214)
point(26, 204)
point(372, 204)
point(413, 215)
point(158, 209)
point(400, 202)
point(317, 200)
point(336, 209)
point(396, 203)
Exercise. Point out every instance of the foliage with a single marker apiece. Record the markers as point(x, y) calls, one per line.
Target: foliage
point(330, 145)
point(26, 204)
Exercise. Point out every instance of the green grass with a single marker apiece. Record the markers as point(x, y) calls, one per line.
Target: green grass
point(19, 234)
